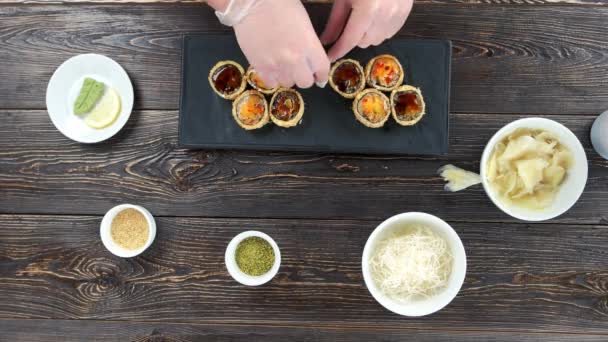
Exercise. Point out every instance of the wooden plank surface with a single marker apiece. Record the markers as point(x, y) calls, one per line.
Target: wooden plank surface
point(528, 59)
point(520, 277)
point(43, 172)
point(448, 2)
point(70, 330)
point(512, 58)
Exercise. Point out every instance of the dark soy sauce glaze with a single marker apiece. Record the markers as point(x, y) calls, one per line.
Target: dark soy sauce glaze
point(347, 77)
point(285, 106)
point(407, 104)
point(227, 79)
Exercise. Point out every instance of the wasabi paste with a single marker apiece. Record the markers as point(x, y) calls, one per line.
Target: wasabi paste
point(89, 94)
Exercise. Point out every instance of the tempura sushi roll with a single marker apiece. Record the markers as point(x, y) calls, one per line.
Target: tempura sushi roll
point(254, 80)
point(407, 105)
point(227, 78)
point(250, 110)
point(286, 107)
point(347, 78)
point(371, 108)
point(384, 73)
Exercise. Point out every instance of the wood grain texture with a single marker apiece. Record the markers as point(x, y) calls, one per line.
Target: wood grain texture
point(43, 172)
point(448, 2)
point(520, 277)
point(70, 330)
point(518, 59)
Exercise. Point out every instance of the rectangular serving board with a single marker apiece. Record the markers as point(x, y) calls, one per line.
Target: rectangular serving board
point(328, 125)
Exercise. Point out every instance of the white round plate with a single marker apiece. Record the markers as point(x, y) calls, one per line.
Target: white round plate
point(65, 85)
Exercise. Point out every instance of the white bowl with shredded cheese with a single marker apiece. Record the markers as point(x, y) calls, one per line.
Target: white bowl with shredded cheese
point(569, 190)
point(414, 264)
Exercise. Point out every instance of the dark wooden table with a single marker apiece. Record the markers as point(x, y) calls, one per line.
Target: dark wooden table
point(525, 282)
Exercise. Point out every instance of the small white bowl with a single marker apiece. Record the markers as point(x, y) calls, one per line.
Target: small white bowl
point(570, 190)
point(435, 303)
point(235, 271)
point(106, 224)
point(64, 87)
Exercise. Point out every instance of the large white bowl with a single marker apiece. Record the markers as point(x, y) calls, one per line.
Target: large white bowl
point(570, 190)
point(459, 266)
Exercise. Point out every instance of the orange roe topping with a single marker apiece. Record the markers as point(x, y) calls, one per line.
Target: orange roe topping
point(373, 107)
point(385, 72)
point(251, 110)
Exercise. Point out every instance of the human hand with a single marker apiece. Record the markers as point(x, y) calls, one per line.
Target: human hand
point(280, 43)
point(370, 23)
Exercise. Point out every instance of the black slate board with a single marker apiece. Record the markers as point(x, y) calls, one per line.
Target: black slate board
point(328, 124)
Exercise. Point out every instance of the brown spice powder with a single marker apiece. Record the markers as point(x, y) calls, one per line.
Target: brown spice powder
point(130, 229)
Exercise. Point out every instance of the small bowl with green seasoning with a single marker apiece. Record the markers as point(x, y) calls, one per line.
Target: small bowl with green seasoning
point(252, 258)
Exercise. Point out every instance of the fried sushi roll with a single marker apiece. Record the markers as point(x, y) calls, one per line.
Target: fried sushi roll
point(384, 73)
point(227, 78)
point(371, 108)
point(347, 78)
point(286, 107)
point(250, 110)
point(407, 105)
point(254, 80)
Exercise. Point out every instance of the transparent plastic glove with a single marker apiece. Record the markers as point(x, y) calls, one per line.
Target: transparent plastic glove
point(279, 41)
point(363, 23)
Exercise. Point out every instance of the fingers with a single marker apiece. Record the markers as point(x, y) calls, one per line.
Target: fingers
point(357, 25)
point(399, 17)
point(268, 75)
point(396, 17)
point(335, 23)
point(369, 37)
point(381, 26)
point(300, 67)
point(370, 25)
point(303, 75)
point(286, 77)
point(319, 65)
point(270, 80)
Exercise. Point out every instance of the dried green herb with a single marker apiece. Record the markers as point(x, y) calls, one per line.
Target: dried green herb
point(254, 256)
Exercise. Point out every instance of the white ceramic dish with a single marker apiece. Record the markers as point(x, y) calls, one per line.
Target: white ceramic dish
point(459, 266)
point(570, 190)
point(234, 269)
point(63, 89)
point(106, 224)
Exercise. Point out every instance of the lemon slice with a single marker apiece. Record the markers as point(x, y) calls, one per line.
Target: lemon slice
point(105, 111)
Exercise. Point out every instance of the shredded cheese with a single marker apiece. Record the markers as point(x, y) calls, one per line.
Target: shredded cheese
point(412, 263)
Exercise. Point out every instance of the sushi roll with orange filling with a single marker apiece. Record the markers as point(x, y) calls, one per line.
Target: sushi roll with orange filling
point(371, 108)
point(286, 107)
point(347, 78)
point(407, 105)
point(384, 73)
point(254, 80)
point(227, 78)
point(250, 110)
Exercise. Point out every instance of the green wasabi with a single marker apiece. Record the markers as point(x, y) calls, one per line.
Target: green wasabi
point(89, 94)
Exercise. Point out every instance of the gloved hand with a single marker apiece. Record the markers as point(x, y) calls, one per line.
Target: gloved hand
point(370, 23)
point(279, 41)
